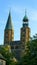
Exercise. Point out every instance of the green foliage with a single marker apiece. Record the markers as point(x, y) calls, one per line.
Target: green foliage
point(30, 54)
point(29, 57)
point(6, 52)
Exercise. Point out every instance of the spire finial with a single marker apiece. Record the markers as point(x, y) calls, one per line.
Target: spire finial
point(10, 11)
point(25, 12)
point(25, 19)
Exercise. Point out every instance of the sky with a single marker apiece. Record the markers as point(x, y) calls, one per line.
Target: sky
point(17, 8)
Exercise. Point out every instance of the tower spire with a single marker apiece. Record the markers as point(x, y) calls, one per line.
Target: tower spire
point(9, 31)
point(25, 12)
point(9, 22)
point(25, 30)
point(25, 19)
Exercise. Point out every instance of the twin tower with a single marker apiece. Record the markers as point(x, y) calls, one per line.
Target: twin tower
point(9, 31)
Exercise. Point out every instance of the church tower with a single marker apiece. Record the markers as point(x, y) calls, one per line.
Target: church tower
point(9, 31)
point(25, 30)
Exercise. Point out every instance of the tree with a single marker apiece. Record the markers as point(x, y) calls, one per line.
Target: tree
point(30, 55)
point(6, 52)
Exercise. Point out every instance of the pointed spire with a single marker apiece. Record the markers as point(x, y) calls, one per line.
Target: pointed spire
point(25, 12)
point(9, 22)
point(25, 19)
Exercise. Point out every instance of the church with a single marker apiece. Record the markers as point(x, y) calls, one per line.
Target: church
point(17, 47)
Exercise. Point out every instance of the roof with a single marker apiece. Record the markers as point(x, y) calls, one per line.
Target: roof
point(25, 19)
point(9, 22)
point(15, 43)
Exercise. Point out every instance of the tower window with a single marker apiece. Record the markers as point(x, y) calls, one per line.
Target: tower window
point(23, 46)
point(12, 47)
point(6, 35)
point(16, 47)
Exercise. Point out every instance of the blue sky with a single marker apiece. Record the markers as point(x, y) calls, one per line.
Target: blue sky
point(17, 8)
